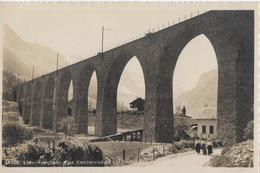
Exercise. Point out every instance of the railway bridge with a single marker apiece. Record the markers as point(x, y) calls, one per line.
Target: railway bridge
point(43, 100)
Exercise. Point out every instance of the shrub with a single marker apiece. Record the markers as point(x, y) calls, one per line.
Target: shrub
point(225, 150)
point(173, 149)
point(249, 130)
point(215, 144)
point(12, 117)
point(63, 154)
point(179, 145)
point(187, 143)
point(220, 161)
point(219, 143)
point(14, 133)
point(239, 155)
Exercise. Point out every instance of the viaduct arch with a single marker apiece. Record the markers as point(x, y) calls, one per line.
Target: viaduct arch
point(230, 32)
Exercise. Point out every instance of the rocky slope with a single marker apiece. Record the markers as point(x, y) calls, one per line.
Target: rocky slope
point(205, 93)
point(239, 155)
point(19, 56)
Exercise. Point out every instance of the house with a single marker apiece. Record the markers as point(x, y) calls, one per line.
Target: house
point(204, 128)
point(206, 125)
point(137, 104)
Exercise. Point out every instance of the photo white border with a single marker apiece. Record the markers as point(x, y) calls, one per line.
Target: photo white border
point(186, 168)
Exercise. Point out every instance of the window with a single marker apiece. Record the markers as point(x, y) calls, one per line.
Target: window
point(203, 129)
point(211, 129)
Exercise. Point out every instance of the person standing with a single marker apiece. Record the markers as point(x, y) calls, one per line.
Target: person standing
point(209, 147)
point(203, 147)
point(197, 145)
point(183, 110)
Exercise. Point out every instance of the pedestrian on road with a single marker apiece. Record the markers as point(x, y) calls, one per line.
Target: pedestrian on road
point(197, 145)
point(203, 147)
point(209, 147)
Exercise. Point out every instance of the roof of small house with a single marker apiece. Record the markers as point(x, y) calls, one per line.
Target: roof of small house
point(207, 113)
point(136, 100)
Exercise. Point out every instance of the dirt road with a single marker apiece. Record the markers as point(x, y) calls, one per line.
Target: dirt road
point(190, 159)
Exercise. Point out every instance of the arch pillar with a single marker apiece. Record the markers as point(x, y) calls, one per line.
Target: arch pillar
point(42, 105)
point(79, 106)
point(106, 119)
point(46, 116)
point(36, 104)
point(62, 83)
point(59, 111)
point(235, 91)
point(158, 122)
point(20, 99)
point(27, 104)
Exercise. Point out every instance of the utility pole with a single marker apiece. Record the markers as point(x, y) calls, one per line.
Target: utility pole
point(57, 62)
point(33, 72)
point(102, 38)
point(102, 42)
point(55, 93)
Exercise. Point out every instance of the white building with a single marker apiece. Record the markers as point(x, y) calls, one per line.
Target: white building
point(204, 128)
point(206, 125)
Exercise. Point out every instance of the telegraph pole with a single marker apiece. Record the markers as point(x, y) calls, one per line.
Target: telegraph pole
point(102, 41)
point(55, 94)
point(102, 38)
point(57, 62)
point(33, 72)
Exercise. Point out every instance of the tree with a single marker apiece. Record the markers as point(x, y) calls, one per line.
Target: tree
point(181, 132)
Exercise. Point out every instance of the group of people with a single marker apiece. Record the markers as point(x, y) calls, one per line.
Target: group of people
point(204, 145)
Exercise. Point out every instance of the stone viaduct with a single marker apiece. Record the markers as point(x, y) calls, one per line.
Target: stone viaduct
point(43, 100)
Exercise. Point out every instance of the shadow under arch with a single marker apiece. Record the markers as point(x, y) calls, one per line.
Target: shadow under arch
point(48, 102)
point(36, 103)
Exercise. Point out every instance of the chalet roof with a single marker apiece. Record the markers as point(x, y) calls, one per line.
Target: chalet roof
point(136, 100)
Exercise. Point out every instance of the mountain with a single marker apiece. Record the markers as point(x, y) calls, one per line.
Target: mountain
point(19, 56)
point(201, 101)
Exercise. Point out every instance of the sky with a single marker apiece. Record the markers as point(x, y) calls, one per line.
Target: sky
point(74, 30)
